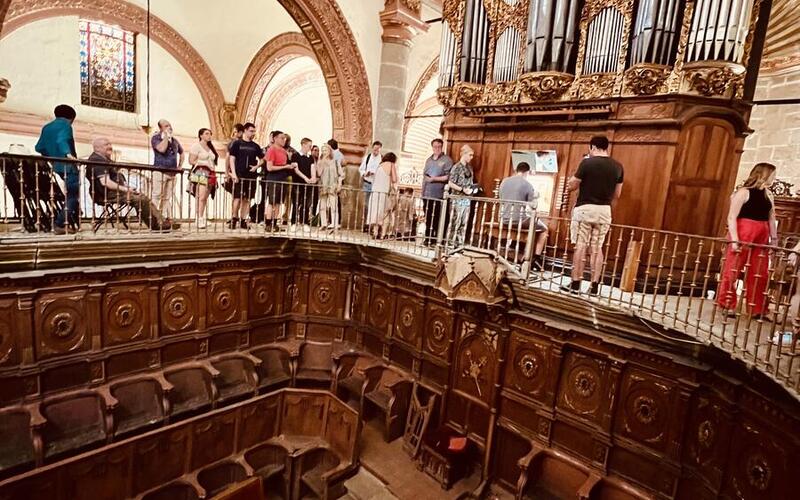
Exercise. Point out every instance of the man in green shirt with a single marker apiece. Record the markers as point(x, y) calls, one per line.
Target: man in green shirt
point(57, 141)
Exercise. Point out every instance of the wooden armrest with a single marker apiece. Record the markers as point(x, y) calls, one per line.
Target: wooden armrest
point(109, 400)
point(255, 360)
point(336, 472)
point(37, 419)
point(213, 371)
point(248, 469)
point(391, 386)
point(588, 485)
point(166, 386)
point(525, 461)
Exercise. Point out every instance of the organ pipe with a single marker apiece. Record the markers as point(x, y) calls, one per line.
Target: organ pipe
point(718, 30)
point(475, 42)
point(506, 55)
point(654, 32)
point(551, 34)
point(603, 42)
point(447, 57)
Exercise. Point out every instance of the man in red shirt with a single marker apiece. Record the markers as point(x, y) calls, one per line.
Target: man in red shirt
point(278, 171)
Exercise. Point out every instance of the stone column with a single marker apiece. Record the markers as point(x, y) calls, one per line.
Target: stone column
point(401, 21)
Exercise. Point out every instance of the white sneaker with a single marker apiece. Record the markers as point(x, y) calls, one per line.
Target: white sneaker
point(201, 223)
point(306, 228)
point(293, 228)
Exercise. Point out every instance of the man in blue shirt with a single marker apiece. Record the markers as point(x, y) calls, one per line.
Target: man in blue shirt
point(57, 141)
point(168, 155)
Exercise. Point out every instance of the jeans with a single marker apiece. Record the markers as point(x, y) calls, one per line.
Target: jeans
point(72, 180)
point(458, 230)
point(367, 188)
point(434, 209)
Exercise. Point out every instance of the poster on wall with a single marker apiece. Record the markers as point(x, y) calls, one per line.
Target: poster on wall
point(544, 166)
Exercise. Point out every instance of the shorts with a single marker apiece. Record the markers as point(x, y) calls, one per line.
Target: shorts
point(275, 191)
point(590, 224)
point(245, 188)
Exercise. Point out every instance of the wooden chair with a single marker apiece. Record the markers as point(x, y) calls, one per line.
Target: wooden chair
point(17, 451)
point(275, 369)
point(237, 376)
point(216, 478)
point(251, 489)
point(75, 421)
point(193, 388)
point(350, 375)
point(142, 402)
point(319, 472)
point(389, 391)
point(272, 464)
point(315, 365)
point(173, 491)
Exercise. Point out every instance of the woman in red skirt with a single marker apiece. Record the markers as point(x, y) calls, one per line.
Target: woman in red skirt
point(751, 222)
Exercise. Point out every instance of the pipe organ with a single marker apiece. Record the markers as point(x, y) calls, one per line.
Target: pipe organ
point(668, 81)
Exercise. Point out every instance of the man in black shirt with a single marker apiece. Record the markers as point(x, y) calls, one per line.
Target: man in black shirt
point(599, 183)
point(303, 179)
point(107, 185)
point(244, 160)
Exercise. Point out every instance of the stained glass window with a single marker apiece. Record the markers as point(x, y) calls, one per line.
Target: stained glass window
point(108, 64)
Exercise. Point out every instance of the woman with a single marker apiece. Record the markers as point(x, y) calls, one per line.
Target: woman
point(461, 184)
point(202, 179)
point(751, 222)
point(382, 184)
point(330, 183)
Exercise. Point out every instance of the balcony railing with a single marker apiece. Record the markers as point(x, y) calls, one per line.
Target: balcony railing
point(744, 302)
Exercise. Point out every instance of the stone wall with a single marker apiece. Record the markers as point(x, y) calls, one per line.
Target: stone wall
point(776, 136)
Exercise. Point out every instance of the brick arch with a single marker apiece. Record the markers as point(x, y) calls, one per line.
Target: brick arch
point(269, 59)
point(17, 13)
point(326, 29)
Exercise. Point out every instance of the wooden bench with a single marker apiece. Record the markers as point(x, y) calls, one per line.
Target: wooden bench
point(389, 391)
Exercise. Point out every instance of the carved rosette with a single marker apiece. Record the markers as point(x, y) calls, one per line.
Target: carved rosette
point(646, 79)
point(598, 86)
point(536, 87)
point(178, 306)
point(380, 308)
point(323, 294)
point(223, 301)
point(717, 80)
point(582, 392)
point(125, 316)
point(438, 332)
point(406, 324)
point(61, 322)
point(262, 296)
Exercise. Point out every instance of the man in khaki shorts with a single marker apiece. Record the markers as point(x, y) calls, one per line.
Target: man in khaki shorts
point(599, 182)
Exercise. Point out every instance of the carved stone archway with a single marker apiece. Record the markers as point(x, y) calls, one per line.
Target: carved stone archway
point(269, 59)
point(17, 13)
point(337, 53)
point(423, 80)
point(272, 104)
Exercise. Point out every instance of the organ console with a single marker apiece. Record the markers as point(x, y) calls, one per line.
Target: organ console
point(666, 75)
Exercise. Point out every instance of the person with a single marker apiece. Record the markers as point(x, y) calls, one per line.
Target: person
point(202, 178)
point(278, 170)
point(751, 223)
point(168, 156)
point(107, 185)
point(515, 217)
point(244, 159)
point(369, 165)
point(303, 180)
point(238, 132)
point(435, 176)
point(315, 153)
point(380, 206)
point(461, 182)
point(330, 183)
point(338, 157)
point(404, 221)
point(598, 181)
point(57, 141)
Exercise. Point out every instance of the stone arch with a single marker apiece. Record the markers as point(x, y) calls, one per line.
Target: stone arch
point(269, 59)
point(326, 29)
point(270, 107)
point(130, 17)
point(423, 80)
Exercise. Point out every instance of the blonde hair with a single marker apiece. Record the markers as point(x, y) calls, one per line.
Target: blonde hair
point(759, 175)
point(329, 155)
point(466, 149)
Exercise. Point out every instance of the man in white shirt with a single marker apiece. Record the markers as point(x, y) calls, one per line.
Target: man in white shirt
point(369, 165)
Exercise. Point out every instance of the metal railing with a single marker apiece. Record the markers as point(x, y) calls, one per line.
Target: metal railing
point(745, 301)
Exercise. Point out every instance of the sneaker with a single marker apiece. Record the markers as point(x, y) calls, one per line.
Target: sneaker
point(293, 228)
point(306, 228)
point(538, 263)
point(243, 224)
point(201, 223)
point(594, 289)
point(233, 223)
point(573, 287)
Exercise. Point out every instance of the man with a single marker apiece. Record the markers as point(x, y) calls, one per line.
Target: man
point(57, 141)
point(107, 184)
point(303, 180)
point(369, 165)
point(244, 159)
point(167, 155)
point(257, 211)
point(461, 183)
point(278, 171)
point(599, 183)
point(338, 159)
point(515, 217)
point(435, 177)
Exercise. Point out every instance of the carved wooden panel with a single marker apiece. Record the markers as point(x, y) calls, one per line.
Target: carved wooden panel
point(760, 466)
point(179, 306)
point(98, 477)
point(708, 435)
point(341, 429)
point(224, 301)
point(477, 361)
point(160, 459)
point(359, 303)
point(326, 297)
point(296, 292)
point(381, 308)
point(62, 324)
point(408, 320)
point(213, 439)
point(646, 409)
point(265, 295)
point(259, 422)
point(438, 331)
point(583, 389)
point(528, 370)
point(302, 414)
point(9, 329)
point(126, 314)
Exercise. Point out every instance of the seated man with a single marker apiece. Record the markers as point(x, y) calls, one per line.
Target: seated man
point(108, 185)
point(515, 217)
